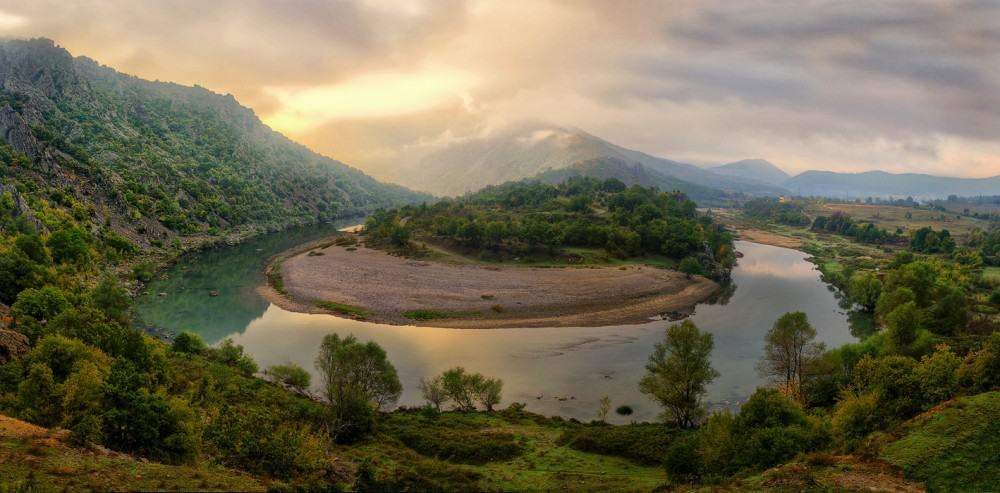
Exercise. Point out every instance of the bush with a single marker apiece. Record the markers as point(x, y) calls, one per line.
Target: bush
point(641, 443)
point(291, 375)
point(681, 459)
point(771, 429)
point(231, 354)
point(188, 343)
point(624, 410)
point(455, 444)
point(283, 450)
point(854, 418)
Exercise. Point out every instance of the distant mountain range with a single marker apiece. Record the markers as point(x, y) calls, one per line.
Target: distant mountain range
point(549, 152)
point(531, 148)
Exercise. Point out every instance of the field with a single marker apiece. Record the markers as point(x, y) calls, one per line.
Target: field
point(908, 219)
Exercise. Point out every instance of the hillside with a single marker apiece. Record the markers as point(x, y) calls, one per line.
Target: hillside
point(882, 184)
point(33, 458)
point(754, 169)
point(529, 148)
point(154, 160)
point(634, 173)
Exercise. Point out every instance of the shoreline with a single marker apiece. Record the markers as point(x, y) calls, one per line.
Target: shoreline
point(477, 296)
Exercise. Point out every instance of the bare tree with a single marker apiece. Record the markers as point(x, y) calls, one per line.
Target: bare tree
point(604, 409)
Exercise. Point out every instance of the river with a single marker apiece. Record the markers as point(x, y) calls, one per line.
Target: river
point(561, 370)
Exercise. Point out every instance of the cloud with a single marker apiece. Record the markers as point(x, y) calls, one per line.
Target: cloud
point(903, 86)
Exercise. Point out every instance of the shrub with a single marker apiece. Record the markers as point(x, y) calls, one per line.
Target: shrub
point(231, 354)
point(455, 444)
point(188, 343)
point(681, 459)
point(854, 418)
point(641, 443)
point(291, 375)
point(771, 429)
point(424, 314)
point(624, 410)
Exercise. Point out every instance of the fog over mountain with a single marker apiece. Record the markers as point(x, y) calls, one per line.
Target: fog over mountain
point(531, 147)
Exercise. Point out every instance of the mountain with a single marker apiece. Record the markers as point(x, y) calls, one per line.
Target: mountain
point(882, 184)
point(754, 169)
point(158, 160)
point(529, 148)
point(633, 173)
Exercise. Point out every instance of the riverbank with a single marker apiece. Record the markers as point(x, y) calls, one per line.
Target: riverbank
point(359, 282)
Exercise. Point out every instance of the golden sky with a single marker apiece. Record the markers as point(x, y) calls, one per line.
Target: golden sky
point(814, 84)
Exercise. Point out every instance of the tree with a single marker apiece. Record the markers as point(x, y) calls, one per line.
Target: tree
point(488, 392)
point(604, 407)
point(39, 397)
point(188, 343)
point(347, 366)
point(461, 387)
point(35, 307)
point(69, 245)
point(864, 290)
point(433, 391)
point(678, 372)
point(902, 326)
point(291, 376)
point(231, 354)
point(112, 299)
point(789, 351)
point(690, 266)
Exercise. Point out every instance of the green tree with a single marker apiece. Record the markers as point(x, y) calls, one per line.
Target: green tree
point(111, 298)
point(864, 290)
point(35, 307)
point(69, 246)
point(188, 343)
point(678, 372)
point(291, 376)
point(356, 379)
point(489, 392)
point(39, 397)
point(790, 352)
point(902, 326)
point(231, 354)
point(691, 266)
point(433, 391)
point(461, 387)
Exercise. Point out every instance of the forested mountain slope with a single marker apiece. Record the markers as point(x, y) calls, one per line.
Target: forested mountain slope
point(153, 159)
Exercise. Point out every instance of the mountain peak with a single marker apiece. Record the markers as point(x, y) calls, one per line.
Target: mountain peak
point(754, 169)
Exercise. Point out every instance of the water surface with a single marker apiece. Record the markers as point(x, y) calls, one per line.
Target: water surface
point(559, 370)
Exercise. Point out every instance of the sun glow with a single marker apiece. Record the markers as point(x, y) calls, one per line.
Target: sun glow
point(377, 95)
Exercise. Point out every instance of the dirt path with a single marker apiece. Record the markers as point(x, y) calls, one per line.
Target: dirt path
point(476, 296)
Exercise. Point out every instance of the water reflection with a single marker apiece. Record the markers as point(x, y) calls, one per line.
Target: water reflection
point(561, 370)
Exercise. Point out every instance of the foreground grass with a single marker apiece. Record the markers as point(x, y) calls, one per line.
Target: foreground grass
point(33, 459)
point(954, 449)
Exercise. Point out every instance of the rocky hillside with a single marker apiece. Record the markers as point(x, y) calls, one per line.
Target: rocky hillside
point(155, 160)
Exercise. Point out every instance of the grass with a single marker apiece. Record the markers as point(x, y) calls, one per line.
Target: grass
point(45, 463)
point(276, 280)
point(992, 273)
point(541, 463)
point(954, 449)
point(425, 314)
point(343, 308)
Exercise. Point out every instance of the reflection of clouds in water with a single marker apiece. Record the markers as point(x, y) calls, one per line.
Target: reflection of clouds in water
point(579, 364)
point(584, 344)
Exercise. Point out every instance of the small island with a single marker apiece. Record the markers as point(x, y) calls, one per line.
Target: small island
point(585, 252)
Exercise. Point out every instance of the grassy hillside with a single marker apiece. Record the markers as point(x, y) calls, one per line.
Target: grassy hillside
point(33, 458)
point(154, 160)
point(953, 448)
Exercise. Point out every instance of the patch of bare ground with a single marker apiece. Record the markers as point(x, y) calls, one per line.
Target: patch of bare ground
point(482, 296)
point(769, 238)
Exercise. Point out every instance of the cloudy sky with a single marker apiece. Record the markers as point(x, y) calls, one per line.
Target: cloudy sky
point(840, 85)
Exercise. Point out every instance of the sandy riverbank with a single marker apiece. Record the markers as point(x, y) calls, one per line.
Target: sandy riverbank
point(387, 286)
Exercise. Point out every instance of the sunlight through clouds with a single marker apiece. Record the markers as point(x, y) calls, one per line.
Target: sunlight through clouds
point(378, 95)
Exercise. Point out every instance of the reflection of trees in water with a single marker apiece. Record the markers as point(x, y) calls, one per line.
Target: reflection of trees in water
point(234, 273)
point(862, 324)
point(723, 295)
